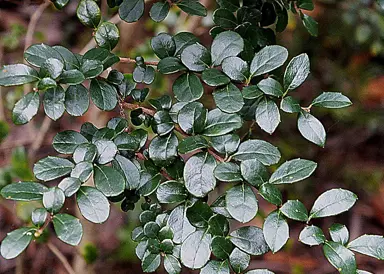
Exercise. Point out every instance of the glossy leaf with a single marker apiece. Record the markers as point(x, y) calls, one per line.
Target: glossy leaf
point(226, 44)
point(54, 102)
point(16, 241)
point(163, 150)
point(108, 180)
point(67, 141)
point(107, 35)
point(340, 234)
point(228, 98)
point(271, 193)
point(241, 203)
point(239, 260)
point(24, 191)
point(370, 245)
point(51, 168)
point(311, 128)
point(250, 239)
point(196, 57)
point(68, 228)
point(340, 257)
point(103, 95)
point(276, 231)
point(187, 88)
point(267, 115)
point(192, 143)
point(18, 74)
point(261, 150)
point(179, 224)
point(254, 172)
point(331, 100)
point(216, 267)
point(158, 13)
point(267, 59)
point(195, 250)
point(192, 7)
point(296, 72)
point(295, 210)
point(70, 186)
point(171, 192)
point(37, 54)
point(89, 13)
point(192, 118)
point(312, 235)
point(228, 172)
point(220, 123)
point(293, 171)
point(26, 108)
point(92, 204)
point(214, 78)
point(225, 144)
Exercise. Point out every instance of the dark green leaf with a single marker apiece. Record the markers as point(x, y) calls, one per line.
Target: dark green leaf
point(85, 152)
point(331, 100)
point(148, 183)
point(192, 143)
point(174, 111)
point(26, 108)
point(290, 105)
point(24, 191)
point(37, 54)
point(53, 67)
point(267, 115)
point(51, 168)
point(221, 247)
point(70, 60)
point(179, 224)
point(170, 65)
point(196, 57)
point(311, 128)
point(228, 172)
point(108, 180)
point(218, 225)
point(276, 231)
point(192, 7)
point(18, 74)
point(226, 44)
point(183, 40)
point(228, 99)
point(163, 45)
point(54, 102)
point(267, 59)
point(103, 95)
point(270, 87)
point(340, 234)
point(224, 18)
point(163, 150)
point(107, 35)
point(171, 192)
point(171, 264)
point(144, 75)
point(261, 150)
point(16, 241)
point(199, 214)
point(250, 239)
point(235, 68)
point(293, 171)
point(129, 170)
point(310, 24)
point(82, 171)
point(76, 100)
point(296, 72)
point(252, 92)
point(295, 210)
point(241, 203)
point(91, 68)
point(271, 194)
point(232, 5)
point(88, 13)
point(225, 144)
point(70, 186)
point(162, 123)
point(46, 83)
point(195, 250)
point(72, 77)
point(370, 245)
point(67, 141)
point(151, 229)
point(340, 257)
point(254, 172)
point(219, 207)
point(214, 77)
point(239, 260)
point(305, 4)
point(53, 199)
point(159, 12)
point(192, 118)
point(150, 261)
point(68, 228)
point(312, 235)
point(220, 123)
point(38, 217)
point(92, 204)
point(131, 10)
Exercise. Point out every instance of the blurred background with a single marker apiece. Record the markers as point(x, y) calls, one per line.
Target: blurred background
point(347, 56)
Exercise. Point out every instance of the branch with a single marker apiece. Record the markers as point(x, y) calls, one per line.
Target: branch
point(133, 61)
point(62, 258)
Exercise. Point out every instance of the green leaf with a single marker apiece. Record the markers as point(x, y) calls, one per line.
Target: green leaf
point(296, 72)
point(267, 115)
point(340, 234)
point(85, 152)
point(92, 204)
point(171, 192)
point(290, 105)
point(221, 247)
point(241, 203)
point(236, 68)
point(70, 60)
point(163, 45)
point(26, 108)
point(16, 241)
point(170, 65)
point(72, 77)
point(218, 225)
point(179, 224)
point(251, 92)
point(38, 217)
point(224, 18)
point(254, 172)
point(171, 263)
point(310, 24)
point(220, 123)
point(107, 35)
point(199, 214)
point(261, 150)
point(24, 191)
point(311, 128)
point(340, 257)
point(276, 231)
point(37, 54)
point(88, 13)
point(91, 68)
point(144, 74)
point(228, 98)
point(333, 202)
point(53, 67)
point(108, 180)
point(219, 207)
point(198, 174)
point(293, 171)
point(216, 267)
point(270, 87)
point(46, 83)
point(305, 4)
point(192, 118)
point(162, 123)
point(183, 40)
point(151, 262)
point(192, 7)
point(148, 183)
point(370, 245)
point(331, 100)
point(271, 194)
point(151, 229)
point(188, 87)
point(129, 170)
point(232, 5)
point(131, 10)
point(70, 186)
point(103, 95)
point(214, 78)
point(267, 59)
point(225, 144)
point(50, 168)
point(192, 143)
point(163, 150)
point(228, 172)
point(54, 102)
point(239, 260)
point(82, 171)
point(295, 210)
point(60, 4)
point(195, 250)
point(53, 199)
point(196, 57)
point(312, 235)
point(67, 141)
point(226, 44)
point(68, 228)
point(250, 239)
point(158, 13)
point(17, 74)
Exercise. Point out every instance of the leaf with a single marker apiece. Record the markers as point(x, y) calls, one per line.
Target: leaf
point(311, 128)
point(228, 172)
point(148, 183)
point(199, 214)
point(46, 83)
point(85, 152)
point(144, 74)
point(239, 260)
point(221, 247)
point(171, 192)
point(192, 118)
point(226, 44)
point(331, 100)
point(340, 234)
point(219, 207)
point(293, 171)
point(54, 103)
point(214, 78)
point(267, 115)
point(290, 105)
point(196, 57)
point(370, 245)
point(228, 98)
point(70, 186)
point(312, 235)
point(187, 88)
point(192, 143)
point(162, 123)
point(310, 24)
point(169, 65)
point(107, 35)
point(151, 262)
point(163, 45)
point(131, 10)
point(72, 77)
point(276, 231)
point(70, 60)
point(53, 199)
point(241, 203)
point(108, 180)
point(88, 13)
point(17, 74)
point(103, 95)
point(39, 216)
point(267, 59)
point(270, 87)
point(225, 144)
point(195, 250)
point(183, 40)
point(37, 54)
point(271, 194)
point(305, 4)
point(68, 228)
point(92, 204)
point(235, 68)
point(91, 68)
point(261, 150)
point(254, 172)
point(53, 67)
point(218, 225)
point(26, 108)
point(224, 18)
point(216, 267)
point(192, 7)
point(67, 141)
point(159, 12)
point(50, 168)
point(252, 92)
point(296, 72)
point(24, 191)
point(129, 170)
point(333, 202)
point(220, 123)
point(250, 239)
point(163, 150)
point(232, 5)
point(16, 241)
point(179, 224)
point(82, 171)
point(171, 263)
point(340, 257)
point(198, 174)
point(295, 210)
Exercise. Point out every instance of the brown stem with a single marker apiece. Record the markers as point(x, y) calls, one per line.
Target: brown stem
point(44, 226)
point(133, 61)
point(135, 106)
point(62, 258)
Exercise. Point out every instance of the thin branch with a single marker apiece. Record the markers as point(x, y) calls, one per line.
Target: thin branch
point(62, 258)
point(40, 136)
point(133, 61)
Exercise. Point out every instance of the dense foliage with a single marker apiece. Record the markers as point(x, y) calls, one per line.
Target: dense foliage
point(195, 151)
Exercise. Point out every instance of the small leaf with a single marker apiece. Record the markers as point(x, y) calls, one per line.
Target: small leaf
point(224, 18)
point(195, 250)
point(54, 102)
point(267, 59)
point(192, 143)
point(293, 171)
point(295, 210)
point(199, 214)
point(18, 74)
point(129, 170)
point(151, 262)
point(163, 45)
point(72, 77)
point(76, 100)
point(163, 150)
point(171, 192)
point(192, 118)
point(88, 13)
point(267, 115)
point(218, 225)
point(370, 245)
point(261, 150)
point(276, 231)
point(16, 241)
point(169, 65)
point(131, 11)
point(24, 191)
point(340, 257)
point(39, 216)
point(183, 40)
point(53, 67)
point(37, 54)
point(51, 168)
point(26, 108)
point(179, 224)
point(103, 95)
point(228, 172)
point(225, 144)
point(82, 171)
point(340, 234)
point(68, 228)
point(214, 78)
point(228, 98)
point(158, 13)
point(331, 100)
point(70, 186)
point(311, 128)
point(239, 260)
point(67, 141)
point(310, 24)
point(271, 194)
point(254, 172)
point(226, 44)
point(252, 92)
point(221, 247)
point(92, 204)
point(216, 267)
point(107, 35)
point(192, 7)
point(241, 203)
point(188, 87)
point(196, 57)
point(219, 207)
point(270, 87)
point(220, 123)
point(296, 72)
point(91, 68)
point(171, 263)
point(53, 199)
point(250, 239)
point(312, 235)
point(108, 180)
point(85, 152)
point(290, 105)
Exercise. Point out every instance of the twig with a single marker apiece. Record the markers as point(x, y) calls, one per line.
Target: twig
point(135, 106)
point(62, 258)
point(133, 61)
